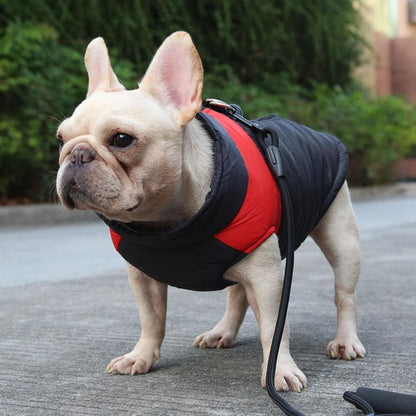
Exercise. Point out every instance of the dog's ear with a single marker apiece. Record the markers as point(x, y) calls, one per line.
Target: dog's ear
point(100, 74)
point(175, 76)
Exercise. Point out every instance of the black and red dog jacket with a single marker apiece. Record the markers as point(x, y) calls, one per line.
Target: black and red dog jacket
point(243, 206)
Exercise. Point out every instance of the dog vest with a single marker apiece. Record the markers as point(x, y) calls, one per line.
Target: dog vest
point(243, 207)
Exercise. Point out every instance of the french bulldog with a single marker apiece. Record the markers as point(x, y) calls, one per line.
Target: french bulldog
point(142, 158)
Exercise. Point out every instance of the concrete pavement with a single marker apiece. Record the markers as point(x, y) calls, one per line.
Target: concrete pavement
point(65, 316)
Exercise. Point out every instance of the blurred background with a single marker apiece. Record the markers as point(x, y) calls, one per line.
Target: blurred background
point(347, 67)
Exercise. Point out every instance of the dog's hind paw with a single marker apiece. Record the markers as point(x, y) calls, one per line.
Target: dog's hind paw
point(288, 377)
point(215, 338)
point(346, 348)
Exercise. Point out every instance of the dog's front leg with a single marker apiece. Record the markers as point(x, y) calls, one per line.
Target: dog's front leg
point(260, 274)
point(151, 298)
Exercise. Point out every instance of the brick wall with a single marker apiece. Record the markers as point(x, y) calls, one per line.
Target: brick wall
point(403, 67)
point(382, 66)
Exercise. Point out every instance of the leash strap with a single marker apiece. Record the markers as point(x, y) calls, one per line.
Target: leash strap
point(269, 143)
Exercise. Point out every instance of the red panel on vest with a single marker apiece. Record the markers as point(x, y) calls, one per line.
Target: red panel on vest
point(259, 216)
point(116, 239)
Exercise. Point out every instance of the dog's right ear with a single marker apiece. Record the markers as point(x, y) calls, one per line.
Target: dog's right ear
point(101, 76)
point(174, 77)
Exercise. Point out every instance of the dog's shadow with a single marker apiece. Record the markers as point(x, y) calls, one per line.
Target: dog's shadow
point(240, 364)
point(244, 349)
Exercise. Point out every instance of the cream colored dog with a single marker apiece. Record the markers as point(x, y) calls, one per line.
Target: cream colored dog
point(141, 157)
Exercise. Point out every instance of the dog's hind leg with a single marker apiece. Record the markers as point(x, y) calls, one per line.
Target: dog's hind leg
point(337, 235)
point(224, 333)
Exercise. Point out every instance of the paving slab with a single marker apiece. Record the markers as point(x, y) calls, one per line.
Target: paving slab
point(58, 334)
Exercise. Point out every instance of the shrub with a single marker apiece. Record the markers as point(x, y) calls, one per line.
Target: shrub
point(42, 77)
point(376, 130)
point(38, 79)
point(309, 40)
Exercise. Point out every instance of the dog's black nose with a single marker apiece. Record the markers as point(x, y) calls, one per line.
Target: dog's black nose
point(82, 153)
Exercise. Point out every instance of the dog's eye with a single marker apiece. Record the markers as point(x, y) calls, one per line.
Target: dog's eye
point(121, 140)
point(60, 142)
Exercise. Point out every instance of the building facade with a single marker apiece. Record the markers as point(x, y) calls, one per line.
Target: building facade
point(390, 62)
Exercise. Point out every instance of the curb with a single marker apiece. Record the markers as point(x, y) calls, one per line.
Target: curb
point(52, 214)
point(42, 214)
point(383, 191)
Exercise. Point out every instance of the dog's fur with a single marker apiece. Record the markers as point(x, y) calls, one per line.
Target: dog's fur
point(161, 180)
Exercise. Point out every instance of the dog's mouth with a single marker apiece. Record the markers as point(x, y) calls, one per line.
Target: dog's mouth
point(65, 194)
point(69, 203)
point(71, 193)
point(132, 208)
point(73, 197)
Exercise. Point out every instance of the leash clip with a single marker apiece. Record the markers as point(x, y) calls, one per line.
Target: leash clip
point(220, 105)
point(235, 112)
point(269, 138)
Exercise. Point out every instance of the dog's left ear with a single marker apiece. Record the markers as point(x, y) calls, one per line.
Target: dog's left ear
point(101, 76)
point(175, 76)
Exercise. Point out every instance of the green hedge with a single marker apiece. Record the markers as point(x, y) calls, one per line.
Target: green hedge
point(39, 80)
point(267, 56)
point(376, 130)
point(309, 40)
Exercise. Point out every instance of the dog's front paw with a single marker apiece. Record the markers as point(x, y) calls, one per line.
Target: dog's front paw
point(215, 338)
point(138, 361)
point(346, 348)
point(288, 376)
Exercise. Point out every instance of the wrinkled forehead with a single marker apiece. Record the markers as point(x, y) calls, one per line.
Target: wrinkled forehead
point(102, 106)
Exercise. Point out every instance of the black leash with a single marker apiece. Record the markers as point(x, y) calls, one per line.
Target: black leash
point(268, 141)
point(387, 403)
point(368, 400)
